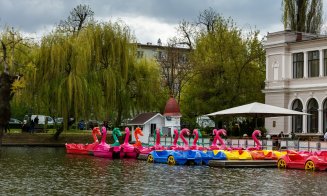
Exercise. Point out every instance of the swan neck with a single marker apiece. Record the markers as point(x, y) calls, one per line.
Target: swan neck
point(127, 136)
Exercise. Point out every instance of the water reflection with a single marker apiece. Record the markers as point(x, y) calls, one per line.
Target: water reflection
point(43, 171)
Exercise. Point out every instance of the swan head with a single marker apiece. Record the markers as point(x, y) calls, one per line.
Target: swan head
point(96, 130)
point(139, 131)
point(117, 131)
point(214, 132)
point(223, 131)
point(185, 130)
point(127, 130)
point(195, 132)
point(104, 130)
point(256, 133)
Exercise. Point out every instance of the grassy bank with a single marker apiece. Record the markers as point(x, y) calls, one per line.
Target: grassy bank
point(17, 138)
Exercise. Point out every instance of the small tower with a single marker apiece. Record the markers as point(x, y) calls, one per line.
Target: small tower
point(159, 42)
point(172, 115)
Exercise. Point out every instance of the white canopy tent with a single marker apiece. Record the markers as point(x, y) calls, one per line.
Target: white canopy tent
point(257, 110)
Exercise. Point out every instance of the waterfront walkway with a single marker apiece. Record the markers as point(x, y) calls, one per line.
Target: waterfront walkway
point(46, 139)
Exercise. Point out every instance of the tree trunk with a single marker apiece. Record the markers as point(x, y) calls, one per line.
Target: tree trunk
point(1, 135)
point(5, 89)
point(60, 129)
point(119, 115)
point(58, 132)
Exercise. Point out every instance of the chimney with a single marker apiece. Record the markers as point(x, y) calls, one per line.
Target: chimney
point(298, 36)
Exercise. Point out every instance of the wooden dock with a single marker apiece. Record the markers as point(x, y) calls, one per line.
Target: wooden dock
point(142, 157)
point(233, 163)
point(243, 163)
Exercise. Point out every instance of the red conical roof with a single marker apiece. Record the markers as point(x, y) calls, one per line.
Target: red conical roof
point(172, 108)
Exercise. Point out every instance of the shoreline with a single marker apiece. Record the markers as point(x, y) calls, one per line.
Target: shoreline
point(47, 140)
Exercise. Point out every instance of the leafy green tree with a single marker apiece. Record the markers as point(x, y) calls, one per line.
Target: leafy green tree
point(15, 55)
point(302, 15)
point(229, 70)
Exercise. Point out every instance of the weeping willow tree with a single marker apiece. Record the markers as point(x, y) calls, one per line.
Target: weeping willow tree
point(302, 15)
point(95, 71)
point(61, 85)
point(127, 85)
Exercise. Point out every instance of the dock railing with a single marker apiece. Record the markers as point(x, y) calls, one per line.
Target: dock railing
point(267, 144)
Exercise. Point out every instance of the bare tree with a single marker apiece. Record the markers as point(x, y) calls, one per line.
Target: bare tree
point(208, 18)
point(186, 34)
point(78, 18)
point(175, 66)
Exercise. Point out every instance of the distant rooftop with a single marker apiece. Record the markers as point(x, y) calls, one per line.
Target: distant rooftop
point(172, 108)
point(141, 119)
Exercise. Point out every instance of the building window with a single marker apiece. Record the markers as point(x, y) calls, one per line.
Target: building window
point(153, 129)
point(160, 55)
point(313, 63)
point(298, 59)
point(325, 116)
point(139, 54)
point(325, 62)
point(313, 118)
point(297, 120)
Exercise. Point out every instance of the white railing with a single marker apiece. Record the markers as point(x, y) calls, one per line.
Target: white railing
point(245, 143)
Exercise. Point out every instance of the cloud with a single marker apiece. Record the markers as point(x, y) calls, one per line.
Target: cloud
point(149, 19)
point(149, 29)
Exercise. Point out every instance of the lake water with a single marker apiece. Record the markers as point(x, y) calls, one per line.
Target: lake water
point(50, 171)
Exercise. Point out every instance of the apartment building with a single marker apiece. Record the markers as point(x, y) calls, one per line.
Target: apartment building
point(172, 60)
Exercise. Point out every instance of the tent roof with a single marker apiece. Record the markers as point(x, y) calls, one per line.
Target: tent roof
point(256, 109)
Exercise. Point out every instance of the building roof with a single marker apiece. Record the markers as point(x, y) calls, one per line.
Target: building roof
point(172, 108)
point(153, 46)
point(143, 118)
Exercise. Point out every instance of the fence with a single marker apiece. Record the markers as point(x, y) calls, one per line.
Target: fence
point(245, 143)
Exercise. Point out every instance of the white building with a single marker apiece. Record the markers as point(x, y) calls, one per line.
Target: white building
point(148, 122)
point(296, 78)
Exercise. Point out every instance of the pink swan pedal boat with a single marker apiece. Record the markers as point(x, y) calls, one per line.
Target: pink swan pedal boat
point(174, 145)
point(103, 149)
point(157, 146)
point(186, 146)
point(73, 148)
point(127, 150)
point(214, 145)
point(258, 154)
point(195, 146)
point(231, 153)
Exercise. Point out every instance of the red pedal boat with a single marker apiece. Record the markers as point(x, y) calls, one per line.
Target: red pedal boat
point(73, 148)
point(308, 161)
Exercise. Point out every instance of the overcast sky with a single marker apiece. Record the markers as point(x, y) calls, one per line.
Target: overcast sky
point(148, 19)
